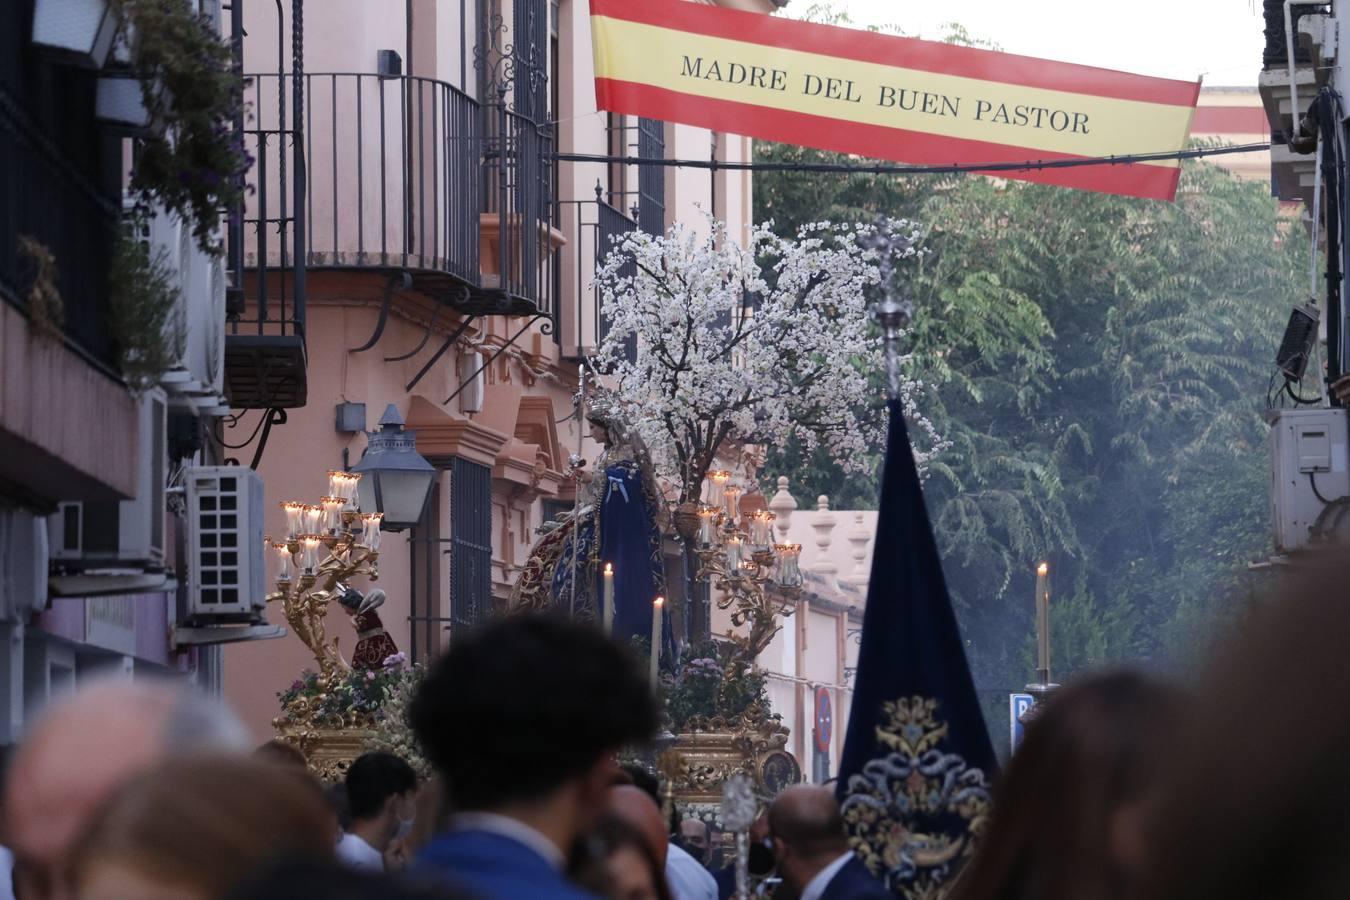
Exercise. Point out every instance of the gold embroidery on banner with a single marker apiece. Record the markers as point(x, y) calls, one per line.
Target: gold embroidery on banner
point(917, 812)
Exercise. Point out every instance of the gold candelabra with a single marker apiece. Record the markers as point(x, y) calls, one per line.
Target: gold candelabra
point(326, 545)
point(757, 579)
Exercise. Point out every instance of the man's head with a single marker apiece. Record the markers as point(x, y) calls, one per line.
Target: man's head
point(528, 713)
point(641, 778)
point(381, 798)
point(82, 750)
point(807, 831)
point(695, 838)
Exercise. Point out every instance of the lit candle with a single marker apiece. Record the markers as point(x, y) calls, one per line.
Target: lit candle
point(311, 544)
point(789, 571)
point(349, 482)
point(707, 516)
point(284, 559)
point(312, 518)
point(733, 554)
point(733, 497)
point(294, 509)
point(607, 600)
point(332, 513)
point(658, 607)
point(717, 485)
point(1043, 622)
point(370, 530)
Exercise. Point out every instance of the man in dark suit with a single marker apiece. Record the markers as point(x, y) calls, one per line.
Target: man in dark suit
point(523, 719)
point(812, 847)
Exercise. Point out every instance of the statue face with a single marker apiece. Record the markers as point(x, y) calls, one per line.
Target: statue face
point(599, 434)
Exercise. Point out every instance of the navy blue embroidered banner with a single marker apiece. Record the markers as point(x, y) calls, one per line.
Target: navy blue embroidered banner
point(913, 779)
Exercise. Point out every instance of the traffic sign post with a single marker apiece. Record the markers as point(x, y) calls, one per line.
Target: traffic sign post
point(1018, 705)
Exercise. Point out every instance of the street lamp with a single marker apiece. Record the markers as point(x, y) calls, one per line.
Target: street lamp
point(396, 478)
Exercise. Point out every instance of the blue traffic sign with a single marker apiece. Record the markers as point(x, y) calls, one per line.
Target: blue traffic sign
point(1018, 704)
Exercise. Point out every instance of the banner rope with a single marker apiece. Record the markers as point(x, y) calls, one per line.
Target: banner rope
point(890, 169)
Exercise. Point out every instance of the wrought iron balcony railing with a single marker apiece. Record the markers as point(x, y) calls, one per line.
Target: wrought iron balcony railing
point(407, 173)
point(599, 228)
point(1276, 55)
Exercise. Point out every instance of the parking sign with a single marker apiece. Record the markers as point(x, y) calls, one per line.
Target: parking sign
point(1018, 704)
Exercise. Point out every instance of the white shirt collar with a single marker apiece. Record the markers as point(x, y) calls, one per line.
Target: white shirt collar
point(357, 852)
point(513, 829)
point(816, 886)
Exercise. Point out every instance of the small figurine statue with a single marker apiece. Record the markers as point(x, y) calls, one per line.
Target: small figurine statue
point(373, 643)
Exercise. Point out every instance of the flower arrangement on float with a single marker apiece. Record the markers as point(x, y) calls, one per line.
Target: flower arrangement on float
point(356, 699)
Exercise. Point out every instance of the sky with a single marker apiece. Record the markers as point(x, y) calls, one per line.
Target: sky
point(1219, 39)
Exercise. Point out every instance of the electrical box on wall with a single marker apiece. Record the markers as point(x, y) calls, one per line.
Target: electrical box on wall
point(1308, 470)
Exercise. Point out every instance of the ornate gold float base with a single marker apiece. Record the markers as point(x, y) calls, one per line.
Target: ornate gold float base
point(702, 759)
point(329, 751)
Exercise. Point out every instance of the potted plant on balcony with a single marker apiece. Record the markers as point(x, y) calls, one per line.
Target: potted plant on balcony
point(193, 166)
point(143, 304)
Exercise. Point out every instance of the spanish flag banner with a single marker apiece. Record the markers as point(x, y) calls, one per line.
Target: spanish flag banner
point(887, 97)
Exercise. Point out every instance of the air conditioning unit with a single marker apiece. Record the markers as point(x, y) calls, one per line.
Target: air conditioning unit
point(112, 533)
point(225, 558)
point(1308, 471)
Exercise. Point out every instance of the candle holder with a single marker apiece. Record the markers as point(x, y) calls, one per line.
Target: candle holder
point(752, 581)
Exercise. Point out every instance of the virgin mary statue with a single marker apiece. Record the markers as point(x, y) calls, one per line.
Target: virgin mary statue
point(615, 523)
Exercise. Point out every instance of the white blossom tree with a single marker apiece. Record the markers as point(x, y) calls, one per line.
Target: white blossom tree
point(747, 344)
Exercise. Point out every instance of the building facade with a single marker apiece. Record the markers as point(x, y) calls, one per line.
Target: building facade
point(445, 267)
point(91, 474)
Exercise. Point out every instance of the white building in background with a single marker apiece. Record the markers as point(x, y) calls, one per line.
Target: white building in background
point(812, 660)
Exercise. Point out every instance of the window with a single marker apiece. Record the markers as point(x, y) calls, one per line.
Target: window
point(528, 34)
point(652, 179)
point(470, 542)
point(553, 510)
point(616, 144)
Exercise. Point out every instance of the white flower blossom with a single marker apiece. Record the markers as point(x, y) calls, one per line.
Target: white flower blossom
point(750, 344)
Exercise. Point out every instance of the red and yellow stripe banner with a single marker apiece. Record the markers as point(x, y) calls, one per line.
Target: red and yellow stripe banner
point(887, 97)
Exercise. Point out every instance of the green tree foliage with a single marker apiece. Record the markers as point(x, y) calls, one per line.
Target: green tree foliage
point(1101, 365)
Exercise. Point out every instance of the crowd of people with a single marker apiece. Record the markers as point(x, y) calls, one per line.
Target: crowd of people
point(1127, 786)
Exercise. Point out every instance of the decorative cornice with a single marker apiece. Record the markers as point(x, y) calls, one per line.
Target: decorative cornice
point(442, 433)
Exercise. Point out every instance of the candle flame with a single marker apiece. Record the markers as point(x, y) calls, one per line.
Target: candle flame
point(659, 602)
point(609, 568)
point(1043, 569)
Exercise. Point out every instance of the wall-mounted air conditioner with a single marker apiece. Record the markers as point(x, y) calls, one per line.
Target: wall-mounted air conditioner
point(225, 558)
point(1308, 472)
point(112, 533)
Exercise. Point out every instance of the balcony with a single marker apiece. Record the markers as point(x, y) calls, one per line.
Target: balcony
point(406, 174)
point(1293, 170)
point(598, 227)
point(49, 198)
